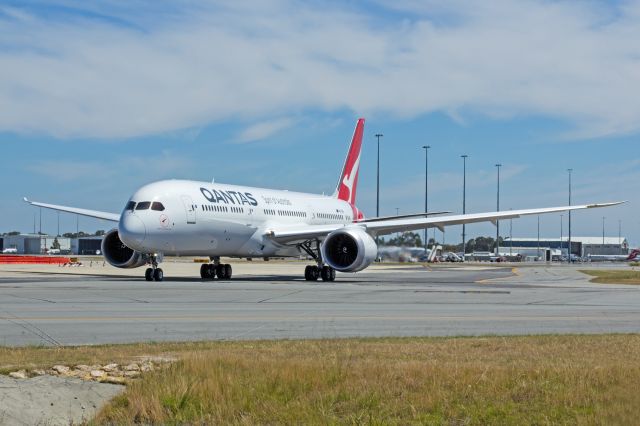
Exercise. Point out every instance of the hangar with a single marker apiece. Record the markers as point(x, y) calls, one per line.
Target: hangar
point(580, 246)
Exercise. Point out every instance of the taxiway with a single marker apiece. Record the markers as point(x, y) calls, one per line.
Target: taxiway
point(57, 306)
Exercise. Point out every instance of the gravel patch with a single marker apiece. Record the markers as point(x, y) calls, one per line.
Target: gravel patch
point(51, 400)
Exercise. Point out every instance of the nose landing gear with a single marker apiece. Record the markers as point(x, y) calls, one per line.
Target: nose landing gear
point(154, 273)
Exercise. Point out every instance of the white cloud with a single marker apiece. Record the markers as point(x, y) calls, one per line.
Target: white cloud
point(156, 165)
point(263, 130)
point(77, 77)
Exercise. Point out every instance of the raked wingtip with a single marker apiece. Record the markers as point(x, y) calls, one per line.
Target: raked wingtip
point(615, 203)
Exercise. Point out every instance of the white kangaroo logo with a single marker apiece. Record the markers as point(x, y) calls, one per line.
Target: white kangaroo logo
point(349, 180)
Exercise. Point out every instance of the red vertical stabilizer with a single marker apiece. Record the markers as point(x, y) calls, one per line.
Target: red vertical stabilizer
point(348, 183)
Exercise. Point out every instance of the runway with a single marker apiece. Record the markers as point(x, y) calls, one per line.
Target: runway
point(40, 306)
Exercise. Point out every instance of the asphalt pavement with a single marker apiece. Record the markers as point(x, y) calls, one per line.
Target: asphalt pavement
point(49, 306)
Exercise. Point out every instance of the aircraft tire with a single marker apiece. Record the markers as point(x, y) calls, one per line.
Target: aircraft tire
point(325, 273)
point(158, 275)
point(311, 273)
point(228, 271)
point(204, 271)
point(221, 271)
point(148, 274)
point(211, 271)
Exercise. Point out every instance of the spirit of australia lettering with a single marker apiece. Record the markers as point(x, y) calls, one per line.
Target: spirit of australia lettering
point(228, 197)
point(274, 200)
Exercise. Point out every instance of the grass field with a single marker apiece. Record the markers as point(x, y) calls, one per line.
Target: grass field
point(493, 380)
point(614, 277)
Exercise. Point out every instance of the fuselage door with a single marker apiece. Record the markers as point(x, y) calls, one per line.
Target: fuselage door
point(190, 209)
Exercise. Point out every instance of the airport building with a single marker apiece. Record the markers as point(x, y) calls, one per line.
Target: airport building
point(36, 244)
point(87, 245)
point(580, 246)
point(43, 244)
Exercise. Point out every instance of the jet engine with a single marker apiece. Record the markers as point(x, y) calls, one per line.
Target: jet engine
point(119, 255)
point(349, 249)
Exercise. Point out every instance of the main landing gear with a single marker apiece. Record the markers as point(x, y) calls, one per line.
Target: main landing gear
point(313, 272)
point(154, 273)
point(209, 271)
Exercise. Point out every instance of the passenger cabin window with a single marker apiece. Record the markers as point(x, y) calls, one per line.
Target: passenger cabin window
point(144, 205)
point(130, 205)
point(157, 206)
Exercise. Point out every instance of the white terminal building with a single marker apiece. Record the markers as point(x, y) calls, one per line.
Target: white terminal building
point(549, 248)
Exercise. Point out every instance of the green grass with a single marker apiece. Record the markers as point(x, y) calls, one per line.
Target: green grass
point(614, 276)
point(468, 381)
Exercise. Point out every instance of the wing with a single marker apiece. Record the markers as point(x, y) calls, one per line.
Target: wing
point(403, 216)
point(113, 217)
point(291, 234)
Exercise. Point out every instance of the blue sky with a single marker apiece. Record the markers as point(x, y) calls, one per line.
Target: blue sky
point(97, 99)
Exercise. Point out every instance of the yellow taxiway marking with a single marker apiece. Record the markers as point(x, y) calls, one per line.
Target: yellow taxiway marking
point(514, 271)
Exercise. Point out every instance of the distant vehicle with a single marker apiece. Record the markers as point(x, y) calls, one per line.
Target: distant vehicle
point(400, 254)
point(53, 251)
point(575, 258)
point(452, 257)
point(10, 250)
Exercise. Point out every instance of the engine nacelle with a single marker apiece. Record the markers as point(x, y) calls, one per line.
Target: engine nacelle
point(349, 249)
point(119, 255)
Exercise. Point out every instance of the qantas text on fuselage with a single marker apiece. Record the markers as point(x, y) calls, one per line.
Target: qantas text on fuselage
point(191, 218)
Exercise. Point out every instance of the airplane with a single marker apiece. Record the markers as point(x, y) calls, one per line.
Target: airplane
point(631, 257)
point(191, 218)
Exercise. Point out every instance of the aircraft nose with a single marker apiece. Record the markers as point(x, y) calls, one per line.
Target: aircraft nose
point(132, 230)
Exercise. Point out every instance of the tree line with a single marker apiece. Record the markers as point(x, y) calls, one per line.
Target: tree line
point(414, 239)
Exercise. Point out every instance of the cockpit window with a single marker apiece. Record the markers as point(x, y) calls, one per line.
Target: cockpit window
point(130, 205)
point(157, 206)
point(143, 205)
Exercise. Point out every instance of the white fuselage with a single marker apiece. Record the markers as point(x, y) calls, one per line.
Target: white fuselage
point(209, 219)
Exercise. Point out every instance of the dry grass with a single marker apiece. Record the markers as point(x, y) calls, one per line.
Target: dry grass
point(513, 380)
point(492, 380)
point(613, 277)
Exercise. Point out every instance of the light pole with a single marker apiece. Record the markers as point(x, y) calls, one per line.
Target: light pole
point(397, 211)
point(464, 200)
point(378, 136)
point(538, 238)
point(620, 236)
point(498, 209)
point(569, 250)
point(426, 191)
point(561, 219)
point(58, 223)
point(40, 225)
point(603, 233)
point(510, 236)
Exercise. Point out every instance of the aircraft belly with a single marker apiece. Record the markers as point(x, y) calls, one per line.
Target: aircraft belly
point(215, 238)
